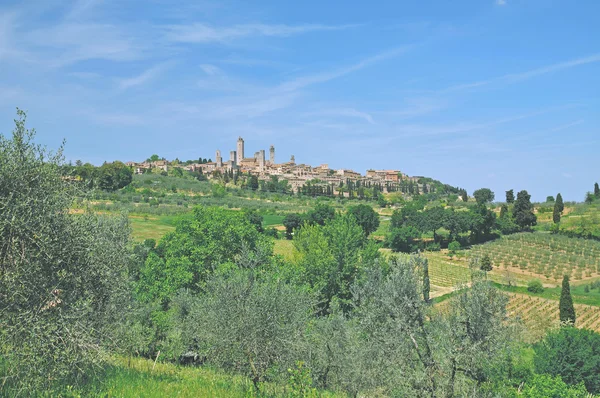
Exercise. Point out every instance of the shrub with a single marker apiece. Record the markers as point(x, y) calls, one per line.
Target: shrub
point(535, 286)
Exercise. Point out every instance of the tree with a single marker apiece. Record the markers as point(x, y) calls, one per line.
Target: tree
point(589, 198)
point(558, 209)
point(453, 247)
point(366, 217)
point(571, 353)
point(185, 258)
point(483, 196)
point(597, 191)
point(510, 196)
point(291, 222)
point(523, 211)
point(253, 183)
point(549, 199)
point(503, 211)
point(63, 277)
point(321, 214)
point(486, 263)
point(567, 310)
point(153, 158)
point(426, 281)
point(545, 386)
point(250, 325)
point(403, 239)
point(464, 196)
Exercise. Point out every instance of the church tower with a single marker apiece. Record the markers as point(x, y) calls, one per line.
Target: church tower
point(240, 150)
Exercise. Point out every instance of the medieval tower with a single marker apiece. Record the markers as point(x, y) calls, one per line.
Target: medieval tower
point(272, 154)
point(219, 159)
point(240, 150)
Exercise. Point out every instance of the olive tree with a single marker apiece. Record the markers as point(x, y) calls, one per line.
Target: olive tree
point(62, 276)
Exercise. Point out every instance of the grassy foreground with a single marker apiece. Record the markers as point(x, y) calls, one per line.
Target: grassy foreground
point(137, 377)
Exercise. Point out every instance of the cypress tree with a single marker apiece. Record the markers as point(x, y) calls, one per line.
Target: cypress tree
point(558, 209)
point(596, 191)
point(510, 196)
point(486, 263)
point(567, 310)
point(426, 282)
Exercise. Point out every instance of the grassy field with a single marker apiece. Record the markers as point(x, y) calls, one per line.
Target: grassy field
point(271, 220)
point(284, 248)
point(138, 377)
point(151, 227)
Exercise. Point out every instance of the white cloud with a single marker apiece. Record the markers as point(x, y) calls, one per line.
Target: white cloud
point(521, 76)
point(143, 77)
point(69, 43)
point(210, 70)
point(203, 33)
point(501, 2)
point(304, 81)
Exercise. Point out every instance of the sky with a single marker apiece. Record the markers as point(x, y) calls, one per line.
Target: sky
point(503, 94)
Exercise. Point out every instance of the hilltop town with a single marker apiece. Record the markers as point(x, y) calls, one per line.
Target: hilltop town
point(298, 175)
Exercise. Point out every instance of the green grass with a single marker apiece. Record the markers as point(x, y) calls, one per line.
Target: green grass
point(578, 293)
point(270, 220)
point(151, 227)
point(285, 248)
point(136, 377)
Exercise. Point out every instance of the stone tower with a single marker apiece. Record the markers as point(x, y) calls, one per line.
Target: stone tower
point(232, 160)
point(272, 154)
point(261, 161)
point(240, 150)
point(219, 159)
point(293, 159)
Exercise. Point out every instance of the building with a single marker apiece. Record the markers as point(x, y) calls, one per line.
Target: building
point(240, 151)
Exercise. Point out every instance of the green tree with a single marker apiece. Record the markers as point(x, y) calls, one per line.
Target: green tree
point(464, 196)
point(253, 182)
point(571, 353)
point(292, 222)
point(558, 209)
point(453, 247)
point(63, 277)
point(321, 214)
point(549, 199)
point(596, 191)
point(366, 217)
point(153, 158)
point(545, 386)
point(183, 259)
point(486, 263)
point(523, 211)
point(567, 310)
point(589, 198)
point(510, 196)
point(403, 239)
point(483, 196)
point(426, 281)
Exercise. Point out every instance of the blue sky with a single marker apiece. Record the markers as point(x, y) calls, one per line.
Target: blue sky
point(487, 93)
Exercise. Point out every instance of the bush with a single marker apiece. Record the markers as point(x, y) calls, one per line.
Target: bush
point(62, 276)
point(535, 286)
point(571, 353)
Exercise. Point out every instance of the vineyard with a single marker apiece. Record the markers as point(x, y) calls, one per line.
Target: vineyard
point(539, 314)
point(550, 256)
point(444, 273)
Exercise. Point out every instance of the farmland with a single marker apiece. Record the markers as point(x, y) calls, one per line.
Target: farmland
point(544, 255)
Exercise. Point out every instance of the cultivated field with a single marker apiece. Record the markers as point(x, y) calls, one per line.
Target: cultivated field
point(539, 314)
point(544, 255)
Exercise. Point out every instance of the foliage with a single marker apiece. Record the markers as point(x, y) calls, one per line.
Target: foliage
point(567, 311)
point(483, 196)
point(62, 276)
point(545, 386)
point(453, 247)
point(199, 245)
point(573, 354)
point(558, 209)
point(510, 196)
point(252, 325)
point(332, 257)
point(486, 263)
point(292, 222)
point(403, 239)
point(366, 217)
point(535, 286)
point(321, 214)
point(523, 211)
